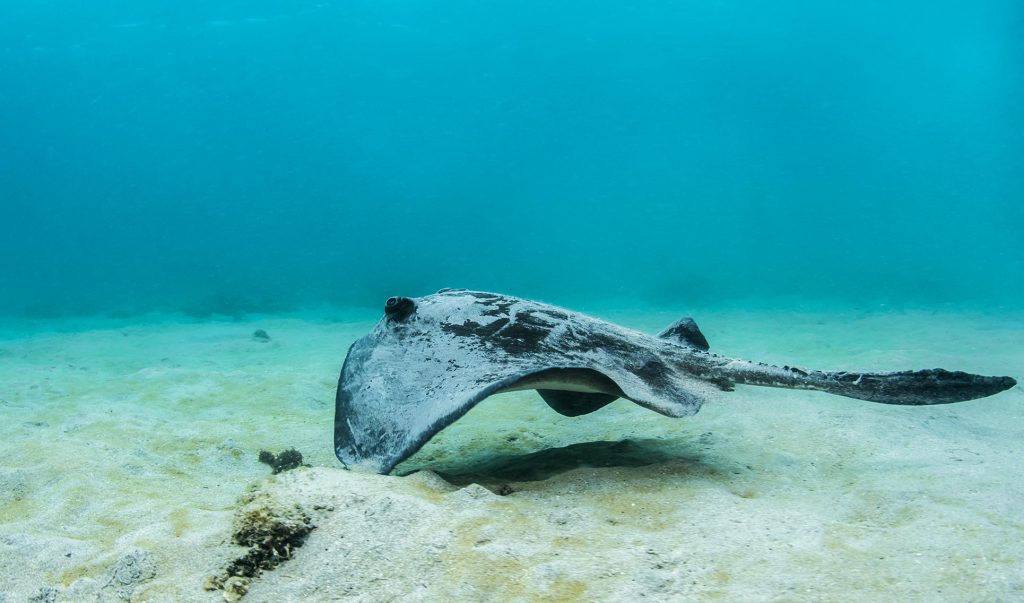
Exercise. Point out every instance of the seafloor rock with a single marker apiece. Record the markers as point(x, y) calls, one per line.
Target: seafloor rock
point(420, 538)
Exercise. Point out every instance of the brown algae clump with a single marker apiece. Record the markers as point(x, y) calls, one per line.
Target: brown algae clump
point(285, 461)
point(271, 531)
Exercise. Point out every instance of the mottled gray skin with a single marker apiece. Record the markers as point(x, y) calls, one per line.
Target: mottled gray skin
point(431, 359)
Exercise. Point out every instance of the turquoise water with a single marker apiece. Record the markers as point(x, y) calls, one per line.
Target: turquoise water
point(230, 157)
point(837, 187)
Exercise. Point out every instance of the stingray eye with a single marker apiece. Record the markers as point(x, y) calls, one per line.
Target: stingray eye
point(399, 308)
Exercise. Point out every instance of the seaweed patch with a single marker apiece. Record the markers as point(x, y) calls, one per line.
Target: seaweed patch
point(284, 461)
point(271, 531)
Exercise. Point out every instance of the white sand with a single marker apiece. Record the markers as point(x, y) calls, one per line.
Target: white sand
point(124, 451)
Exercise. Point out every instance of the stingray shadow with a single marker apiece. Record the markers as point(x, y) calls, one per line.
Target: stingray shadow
point(541, 465)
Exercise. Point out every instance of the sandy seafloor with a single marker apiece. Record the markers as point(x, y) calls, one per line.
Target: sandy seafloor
point(126, 445)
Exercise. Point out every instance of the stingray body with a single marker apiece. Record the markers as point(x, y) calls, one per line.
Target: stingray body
point(431, 359)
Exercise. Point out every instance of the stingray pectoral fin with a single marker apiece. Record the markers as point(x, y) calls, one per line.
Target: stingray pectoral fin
point(383, 416)
point(571, 391)
point(575, 391)
point(574, 404)
point(673, 403)
point(387, 408)
point(376, 429)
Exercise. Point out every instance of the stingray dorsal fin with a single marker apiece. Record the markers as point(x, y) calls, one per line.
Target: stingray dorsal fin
point(685, 331)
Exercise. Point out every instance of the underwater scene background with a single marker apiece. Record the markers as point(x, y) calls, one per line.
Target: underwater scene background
point(224, 157)
point(203, 204)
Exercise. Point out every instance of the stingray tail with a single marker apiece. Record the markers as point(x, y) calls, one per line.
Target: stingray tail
point(931, 386)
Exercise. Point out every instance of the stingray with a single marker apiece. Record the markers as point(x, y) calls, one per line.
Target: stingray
point(431, 359)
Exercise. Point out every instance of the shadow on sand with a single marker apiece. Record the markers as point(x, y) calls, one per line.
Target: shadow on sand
point(538, 466)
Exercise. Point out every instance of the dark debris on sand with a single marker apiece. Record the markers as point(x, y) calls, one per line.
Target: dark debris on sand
point(285, 461)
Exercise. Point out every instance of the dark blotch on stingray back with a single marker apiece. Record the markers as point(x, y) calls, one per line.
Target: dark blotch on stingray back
point(653, 372)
